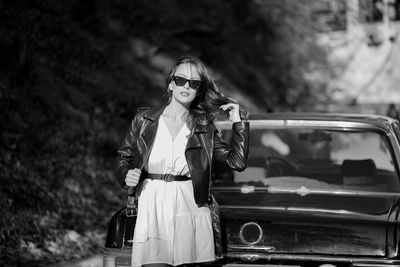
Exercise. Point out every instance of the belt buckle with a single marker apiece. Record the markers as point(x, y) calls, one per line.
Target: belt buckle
point(168, 177)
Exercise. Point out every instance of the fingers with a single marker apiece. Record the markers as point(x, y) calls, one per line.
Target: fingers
point(132, 177)
point(229, 107)
point(233, 110)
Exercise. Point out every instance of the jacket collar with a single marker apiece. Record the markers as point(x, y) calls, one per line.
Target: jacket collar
point(155, 113)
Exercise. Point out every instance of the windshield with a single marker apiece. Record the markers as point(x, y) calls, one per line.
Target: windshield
point(316, 159)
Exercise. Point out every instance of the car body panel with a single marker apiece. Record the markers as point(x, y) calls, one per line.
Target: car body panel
point(293, 223)
point(301, 208)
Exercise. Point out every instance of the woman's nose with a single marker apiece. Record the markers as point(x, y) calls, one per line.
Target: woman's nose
point(186, 85)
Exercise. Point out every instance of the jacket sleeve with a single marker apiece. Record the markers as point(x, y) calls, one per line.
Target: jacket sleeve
point(235, 154)
point(126, 152)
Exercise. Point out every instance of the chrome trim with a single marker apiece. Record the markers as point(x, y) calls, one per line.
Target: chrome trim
point(260, 233)
point(374, 265)
point(395, 145)
point(257, 248)
point(359, 262)
point(263, 265)
point(309, 257)
point(322, 124)
point(311, 123)
point(302, 191)
point(240, 189)
point(274, 208)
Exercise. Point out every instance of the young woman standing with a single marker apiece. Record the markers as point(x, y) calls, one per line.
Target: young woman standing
point(167, 155)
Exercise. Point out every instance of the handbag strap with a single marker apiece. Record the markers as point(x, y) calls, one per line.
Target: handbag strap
point(131, 205)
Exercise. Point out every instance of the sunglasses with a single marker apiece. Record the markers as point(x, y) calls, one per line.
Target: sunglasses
point(180, 81)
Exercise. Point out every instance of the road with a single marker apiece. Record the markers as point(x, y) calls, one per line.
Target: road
point(94, 261)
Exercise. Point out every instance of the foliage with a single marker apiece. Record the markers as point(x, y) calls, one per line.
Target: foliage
point(267, 48)
point(71, 77)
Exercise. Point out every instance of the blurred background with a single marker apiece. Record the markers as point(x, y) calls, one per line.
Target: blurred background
point(73, 73)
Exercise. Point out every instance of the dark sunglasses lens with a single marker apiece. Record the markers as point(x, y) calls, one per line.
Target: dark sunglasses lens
point(179, 81)
point(194, 84)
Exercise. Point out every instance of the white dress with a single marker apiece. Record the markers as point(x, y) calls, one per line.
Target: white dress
point(170, 227)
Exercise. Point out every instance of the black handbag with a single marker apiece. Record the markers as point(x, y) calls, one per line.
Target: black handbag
point(122, 225)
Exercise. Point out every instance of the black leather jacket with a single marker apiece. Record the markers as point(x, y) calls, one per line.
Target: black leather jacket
point(203, 146)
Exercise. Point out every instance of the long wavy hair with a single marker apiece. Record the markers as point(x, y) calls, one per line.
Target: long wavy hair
point(208, 99)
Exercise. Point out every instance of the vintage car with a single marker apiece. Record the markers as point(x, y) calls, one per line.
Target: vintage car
point(319, 190)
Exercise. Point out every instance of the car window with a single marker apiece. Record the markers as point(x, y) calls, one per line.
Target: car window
point(314, 158)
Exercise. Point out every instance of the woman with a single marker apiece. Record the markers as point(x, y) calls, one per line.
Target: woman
point(167, 156)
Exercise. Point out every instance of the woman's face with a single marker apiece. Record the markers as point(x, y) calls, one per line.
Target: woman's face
point(185, 91)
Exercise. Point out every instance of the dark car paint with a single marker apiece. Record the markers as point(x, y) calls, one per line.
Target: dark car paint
point(312, 224)
point(356, 229)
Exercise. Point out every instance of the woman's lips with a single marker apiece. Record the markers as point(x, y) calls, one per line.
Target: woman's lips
point(184, 93)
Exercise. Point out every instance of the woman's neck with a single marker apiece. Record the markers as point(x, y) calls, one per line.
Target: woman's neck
point(176, 111)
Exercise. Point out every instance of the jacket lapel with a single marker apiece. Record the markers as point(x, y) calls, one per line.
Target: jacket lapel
point(194, 140)
point(149, 131)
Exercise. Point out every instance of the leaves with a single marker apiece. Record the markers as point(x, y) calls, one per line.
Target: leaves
point(73, 74)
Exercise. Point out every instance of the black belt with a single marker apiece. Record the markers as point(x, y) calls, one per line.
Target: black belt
point(167, 177)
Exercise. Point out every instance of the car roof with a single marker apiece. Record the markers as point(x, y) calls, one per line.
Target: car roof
point(326, 119)
point(322, 116)
point(378, 121)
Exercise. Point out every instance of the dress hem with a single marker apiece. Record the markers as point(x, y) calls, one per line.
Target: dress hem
point(176, 264)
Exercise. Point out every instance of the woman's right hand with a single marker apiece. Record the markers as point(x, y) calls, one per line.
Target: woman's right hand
point(132, 177)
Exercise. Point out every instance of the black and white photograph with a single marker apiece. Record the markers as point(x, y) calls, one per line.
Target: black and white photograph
point(200, 133)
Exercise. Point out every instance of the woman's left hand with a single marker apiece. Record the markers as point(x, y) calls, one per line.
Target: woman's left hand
point(233, 109)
